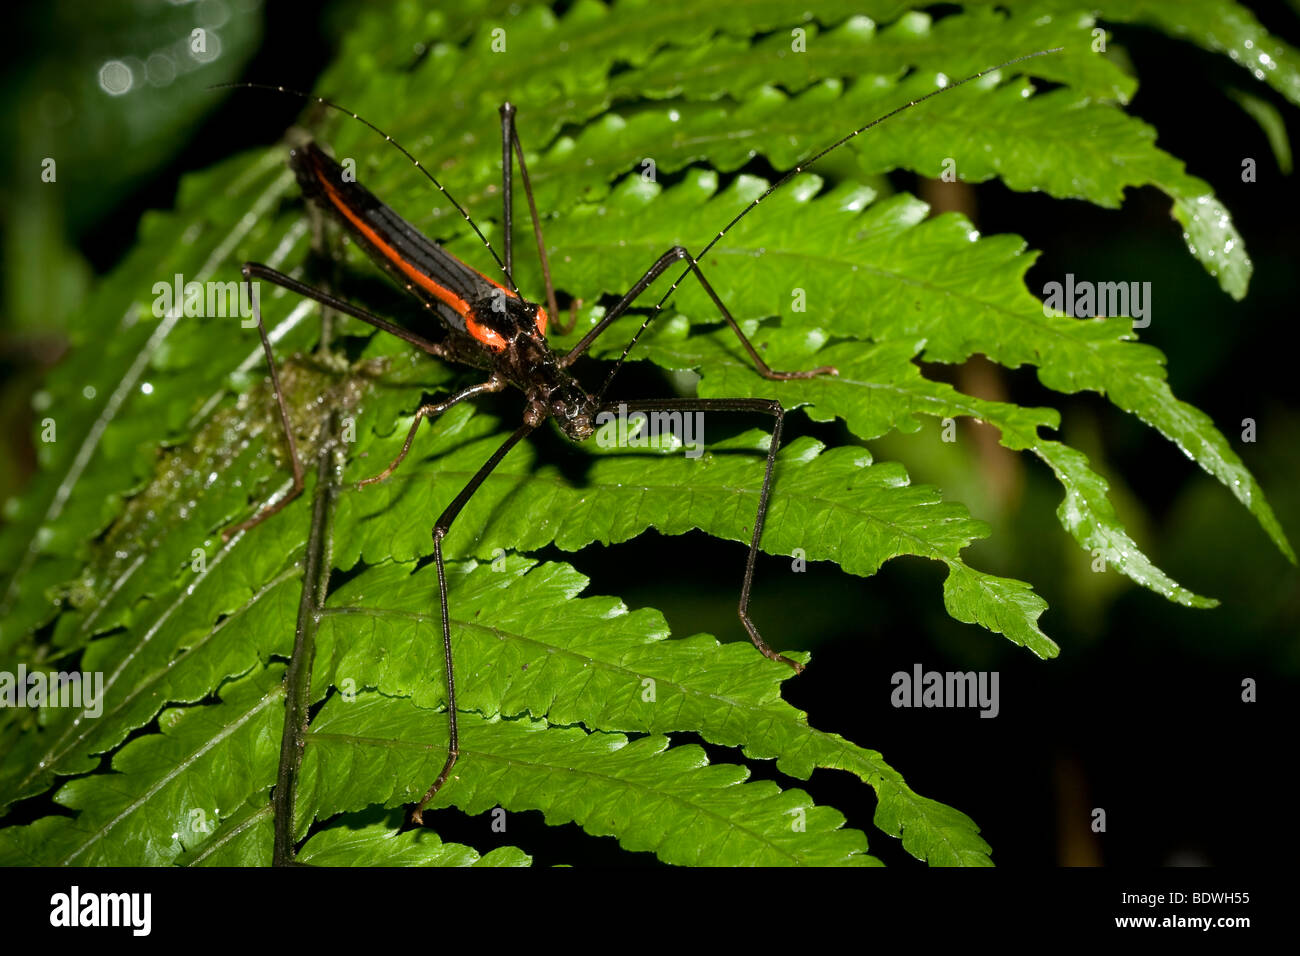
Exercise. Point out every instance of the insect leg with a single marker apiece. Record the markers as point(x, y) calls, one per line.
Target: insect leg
point(296, 490)
point(509, 138)
point(759, 365)
point(766, 407)
point(664, 262)
point(259, 271)
point(255, 270)
point(654, 272)
point(493, 384)
point(440, 529)
point(507, 111)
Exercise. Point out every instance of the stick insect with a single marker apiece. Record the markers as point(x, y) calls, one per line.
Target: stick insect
point(488, 324)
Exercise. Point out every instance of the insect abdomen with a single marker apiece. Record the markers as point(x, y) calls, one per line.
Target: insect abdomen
point(423, 268)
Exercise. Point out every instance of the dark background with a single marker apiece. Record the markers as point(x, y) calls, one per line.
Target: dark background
point(1141, 713)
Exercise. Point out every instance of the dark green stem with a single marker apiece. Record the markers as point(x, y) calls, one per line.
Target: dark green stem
point(297, 680)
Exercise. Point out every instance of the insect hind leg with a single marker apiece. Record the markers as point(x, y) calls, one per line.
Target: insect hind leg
point(285, 422)
point(256, 270)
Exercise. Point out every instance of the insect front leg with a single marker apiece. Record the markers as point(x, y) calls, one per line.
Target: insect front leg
point(509, 140)
point(763, 406)
point(664, 262)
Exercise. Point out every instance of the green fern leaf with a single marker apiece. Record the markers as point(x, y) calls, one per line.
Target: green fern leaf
point(928, 282)
point(655, 798)
point(372, 839)
point(113, 563)
point(539, 650)
point(168, 789)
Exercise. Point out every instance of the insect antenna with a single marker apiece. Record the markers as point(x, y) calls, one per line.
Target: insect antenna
point(802, 166)
point(395, 144)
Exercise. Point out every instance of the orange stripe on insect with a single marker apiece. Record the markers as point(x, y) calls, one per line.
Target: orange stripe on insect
point(487, 336)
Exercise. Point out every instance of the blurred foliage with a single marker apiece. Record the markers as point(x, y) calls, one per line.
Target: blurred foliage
point(123, 92)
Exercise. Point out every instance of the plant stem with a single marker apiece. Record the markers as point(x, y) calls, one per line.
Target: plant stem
point(297, 680)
